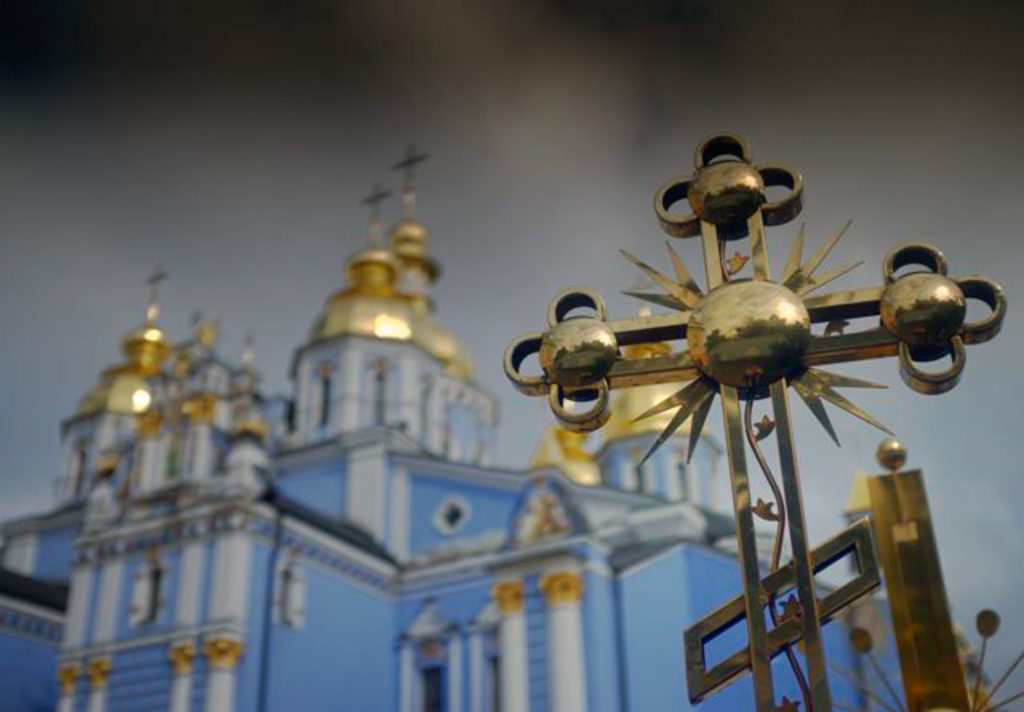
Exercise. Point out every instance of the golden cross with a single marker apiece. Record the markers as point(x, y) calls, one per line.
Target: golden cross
point(377, 195)
point(749, 339)
point(153, 305)
point(408, 166)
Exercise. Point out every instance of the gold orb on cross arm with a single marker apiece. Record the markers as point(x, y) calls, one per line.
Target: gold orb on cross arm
point(924, 310)
point(726, 193)
point(891, 454)
point(578, 352)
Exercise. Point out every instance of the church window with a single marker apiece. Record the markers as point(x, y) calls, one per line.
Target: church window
point(451, 515)
point(147, 591)
point(326, 373)
point(291, 597)
point(433, 688)
point(380, 391)
point(79, 466)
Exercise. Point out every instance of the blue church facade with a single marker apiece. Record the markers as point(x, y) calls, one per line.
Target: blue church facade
point(350, 546)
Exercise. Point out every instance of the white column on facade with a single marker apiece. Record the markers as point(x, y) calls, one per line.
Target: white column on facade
point(68, 675)
point(78, 600)
point(476, 671)
point(406, 661)
point(222, 656)
point(366, 489)
point(99, 674)
point(108, 602)
point(455, 672)
point(351, 363)
point(201, 461)
point(181, 656)
point(409, 390)
point(566, 671)
point(398, 539)
point(515, 693)
point(435, 410)
point(191, 567)
point(230, 586)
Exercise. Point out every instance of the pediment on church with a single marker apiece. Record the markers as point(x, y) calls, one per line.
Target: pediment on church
point(544, 512)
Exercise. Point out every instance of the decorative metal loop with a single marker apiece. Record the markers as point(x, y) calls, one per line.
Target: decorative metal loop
point(915, 253)
point(992, 294)
point(583, 421)
point(726, 144)
point(518, 351)
point(779, 212)
point(932, 382)
point(668, 194)
point(575, 298)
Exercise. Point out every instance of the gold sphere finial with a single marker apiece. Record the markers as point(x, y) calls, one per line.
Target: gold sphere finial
point(891, 454)
point(861, 640)
point(988, 623)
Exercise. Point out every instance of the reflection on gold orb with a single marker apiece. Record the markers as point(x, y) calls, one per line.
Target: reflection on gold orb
point(924, 310)
point(891, 454)
point(578, 352)
point(726, 193)
point(748, 334)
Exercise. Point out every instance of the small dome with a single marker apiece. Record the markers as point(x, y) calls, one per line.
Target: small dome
point(379, 316)
point(372, 271)
point(146, 348)
point(563, 449)
point(410, 243)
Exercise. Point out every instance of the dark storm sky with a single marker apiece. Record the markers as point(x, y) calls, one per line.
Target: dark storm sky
point(230, 142)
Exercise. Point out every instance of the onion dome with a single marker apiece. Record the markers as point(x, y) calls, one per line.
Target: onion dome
point(563, 449)
point(629, 403)
point(375, 304)
point(123, 388)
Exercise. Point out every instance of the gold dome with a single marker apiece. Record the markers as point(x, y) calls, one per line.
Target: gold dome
point(410, 243)
point(372, 306)
point(563, 449)
point(121, 390)
point(627, 404)
point(146, 348)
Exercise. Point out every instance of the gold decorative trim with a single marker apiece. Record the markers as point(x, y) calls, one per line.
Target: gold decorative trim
point(182, 657)
point(562, 587)
point(509, 596)
point(99, 672)
point(201, 408)
point(223, 652)
point(68, 677)
point(149, 423)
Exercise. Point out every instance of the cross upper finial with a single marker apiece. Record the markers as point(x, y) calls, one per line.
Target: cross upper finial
point(377, 195)
point(408, 165)
point(153, 306)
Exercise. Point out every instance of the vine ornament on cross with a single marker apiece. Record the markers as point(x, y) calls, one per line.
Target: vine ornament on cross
point(747, 340)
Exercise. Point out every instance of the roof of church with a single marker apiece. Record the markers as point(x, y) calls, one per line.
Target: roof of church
point(344, 530)
point(32, 590)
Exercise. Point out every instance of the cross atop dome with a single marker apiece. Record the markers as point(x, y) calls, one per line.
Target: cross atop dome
point(377, 195)
point(153, 305)
point(408, 165)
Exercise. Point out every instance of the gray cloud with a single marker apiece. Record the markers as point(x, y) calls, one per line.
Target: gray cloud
point(231, 141)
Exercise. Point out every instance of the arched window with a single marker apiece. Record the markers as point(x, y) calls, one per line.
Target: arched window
point(326, 373)
point(380, 391)
point(147, 591)
point(79, 466)
point(291, 593)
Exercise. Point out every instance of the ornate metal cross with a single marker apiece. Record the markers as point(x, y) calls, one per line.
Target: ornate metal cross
point(748, 339)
